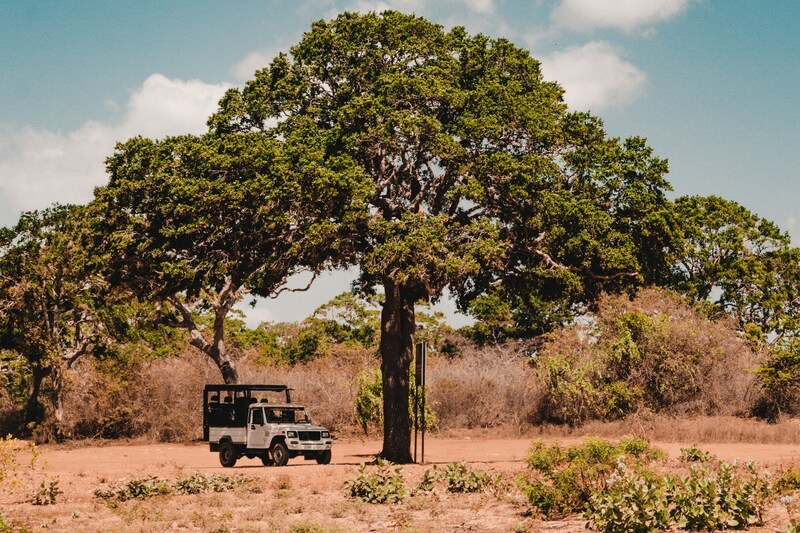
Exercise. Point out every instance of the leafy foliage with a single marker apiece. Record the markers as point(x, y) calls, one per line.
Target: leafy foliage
point(564, 479)
point(150, 486)
point(694, 454)
point(369, 402)
point(778, 378)
point(653, 352)
point(47, 493)
point(385, 484)
point(705, 500)
point(459, 477)
point(10, 449)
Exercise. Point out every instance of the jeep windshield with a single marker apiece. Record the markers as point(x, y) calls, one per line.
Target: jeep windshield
point(290, 415)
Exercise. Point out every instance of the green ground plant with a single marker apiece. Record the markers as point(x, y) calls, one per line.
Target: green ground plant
point(457, 478)
point(694, 454)
point(150, 486)
point(725, 496)
point(369, 401)
point(10, 450)
point(562, 480)
point(47, 493)
point(383, 484)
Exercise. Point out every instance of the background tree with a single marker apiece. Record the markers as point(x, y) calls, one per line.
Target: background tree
point(739, 263)
point(476, 172)
point(53, 308)
point(195, 223)
point(716, 234)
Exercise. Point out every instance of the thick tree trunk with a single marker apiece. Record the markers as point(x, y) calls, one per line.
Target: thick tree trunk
point(57, 400)
point(33, 409)
point(397, 352)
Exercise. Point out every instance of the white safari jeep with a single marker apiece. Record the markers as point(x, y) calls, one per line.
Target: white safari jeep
point(260, 421)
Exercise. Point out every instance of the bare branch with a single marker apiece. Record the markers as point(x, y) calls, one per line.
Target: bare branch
point(297, 289)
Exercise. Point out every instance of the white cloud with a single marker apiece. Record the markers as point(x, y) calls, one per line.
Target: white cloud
point(594, 76)
point(39, 167)
point(627, 15)
point(170, 107)
point(246, 68)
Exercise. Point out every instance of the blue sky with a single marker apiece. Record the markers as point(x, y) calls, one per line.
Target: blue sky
point(713, 84)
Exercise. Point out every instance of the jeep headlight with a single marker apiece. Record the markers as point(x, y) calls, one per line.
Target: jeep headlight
point(326, 434)
point(291, 434)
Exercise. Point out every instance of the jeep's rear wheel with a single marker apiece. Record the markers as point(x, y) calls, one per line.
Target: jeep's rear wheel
point(280, 454)
point(227, 454)
point(324, 458)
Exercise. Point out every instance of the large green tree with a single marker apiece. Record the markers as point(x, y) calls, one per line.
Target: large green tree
point(478, 177)
point(54, 309)
point(197, 223)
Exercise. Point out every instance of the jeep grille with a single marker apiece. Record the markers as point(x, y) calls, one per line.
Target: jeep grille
point(308, 435)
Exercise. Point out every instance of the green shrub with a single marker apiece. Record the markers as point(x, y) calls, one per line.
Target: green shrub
point(383, 485)
point(655, 353)
point(47, 493)
point(198, 483)
point(788, 482)
point(149, 486)
point(726, 497)
point(564, 479)
point(10, 449)
point(459, 477)
point(630, 503)
point(369, 401)
point(693, 454)
point(718, 499)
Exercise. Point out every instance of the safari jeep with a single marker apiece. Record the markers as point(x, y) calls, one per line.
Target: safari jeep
point(260, 421)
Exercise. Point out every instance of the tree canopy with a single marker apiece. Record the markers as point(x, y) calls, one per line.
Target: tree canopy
point(478, 177)
point(196, 223)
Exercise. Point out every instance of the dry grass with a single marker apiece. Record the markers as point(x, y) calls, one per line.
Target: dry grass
point(493, 387)
point(491, 390)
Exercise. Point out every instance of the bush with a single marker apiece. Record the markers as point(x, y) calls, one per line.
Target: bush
point(693, 454)
point(778, 378)
point(369, 401)
point(47, 493)
point(149, 486)
point(459, 477)
point(564, 479)
point(630, 503)
point(719, 499)
point(655, 353)
point(383, 485)
point(10, 449)
point(723, 498)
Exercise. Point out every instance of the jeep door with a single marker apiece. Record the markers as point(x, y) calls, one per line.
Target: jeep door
point(256, 429)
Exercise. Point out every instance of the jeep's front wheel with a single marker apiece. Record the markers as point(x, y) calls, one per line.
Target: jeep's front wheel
point(324, 458)
point(227, 454)
point(280, 454)
point(267, 460)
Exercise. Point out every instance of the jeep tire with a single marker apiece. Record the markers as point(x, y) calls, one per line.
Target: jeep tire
point(280, 453)
point(227, 454)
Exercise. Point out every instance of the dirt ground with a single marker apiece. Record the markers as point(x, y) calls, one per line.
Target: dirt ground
point(303, 496)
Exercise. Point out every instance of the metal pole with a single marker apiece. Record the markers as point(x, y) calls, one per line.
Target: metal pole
point(421, 383)
point(416, 400)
